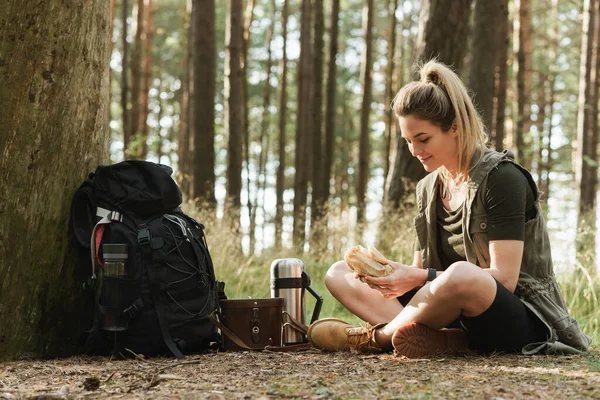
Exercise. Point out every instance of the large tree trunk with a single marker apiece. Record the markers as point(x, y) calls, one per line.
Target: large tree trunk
point(233, 112)
point(487, 39)
point(136, 77)
point(280, 184)
point(203, 104)
point(443, 31)
point(319, 196)
point(522, 47)
point(302, 160)
point(364, 148)
point(53, 134)
point(501, 79)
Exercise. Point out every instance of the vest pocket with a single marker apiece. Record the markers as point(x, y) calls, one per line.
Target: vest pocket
point(478, 234)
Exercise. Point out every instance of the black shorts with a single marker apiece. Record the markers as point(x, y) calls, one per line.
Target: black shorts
point(507, 325)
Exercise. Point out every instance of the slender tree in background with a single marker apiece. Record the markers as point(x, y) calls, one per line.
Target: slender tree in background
point(233, 112)
point(247, 19)
point(125, 77)
point(547, 161)
point(389, 85)
point(184, 143)
point(522, 49)
point(53, 134)
point(489, 16)
point(541, 101)
point(113, 12)
point(203, 105)
point(280, 182)
point(331, 107)
point(501, 79)
point(443, 32)
point(303, 126)
point(264, 129)
point(319, 197)
point(364, 148)
point(136, 75)
point(585, 160)
point(147, 76)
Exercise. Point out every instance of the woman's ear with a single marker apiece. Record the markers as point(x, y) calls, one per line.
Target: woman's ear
point(454, 128)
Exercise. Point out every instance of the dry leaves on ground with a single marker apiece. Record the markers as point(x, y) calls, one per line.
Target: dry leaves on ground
point(306, 375)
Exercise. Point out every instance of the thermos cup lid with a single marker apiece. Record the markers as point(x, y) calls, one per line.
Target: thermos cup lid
point(114, 251)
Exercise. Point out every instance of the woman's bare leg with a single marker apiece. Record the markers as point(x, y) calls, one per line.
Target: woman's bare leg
point(364, 302)
point(463, 289)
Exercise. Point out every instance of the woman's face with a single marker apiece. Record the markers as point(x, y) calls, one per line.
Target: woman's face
point(430, 144)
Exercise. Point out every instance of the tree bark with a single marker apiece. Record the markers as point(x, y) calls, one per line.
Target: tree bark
point(54, 134)
point(302, 160)
point(247, 19)
point(264, 129)
point(544, 184)
point(125, 78)
point(184, 140)
point(331, 106)
point(487, 39)
point(233, 112)
point(443, 31)
point(587, 113)
point(501, 79)
point(389, 86)
point(136, 78)
point(319, 196)
point(522, 46)
point(203, 105)
point(280, 184)
point(364, 148)
point(147, 72)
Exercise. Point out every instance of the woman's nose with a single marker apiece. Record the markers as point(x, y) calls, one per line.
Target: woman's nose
point(414, 149)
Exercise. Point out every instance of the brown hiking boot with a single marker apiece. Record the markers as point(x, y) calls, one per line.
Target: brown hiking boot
point(332, 334)
point(417, 341)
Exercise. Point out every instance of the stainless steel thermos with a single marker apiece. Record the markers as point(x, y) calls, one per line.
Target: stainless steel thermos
point(289, 280)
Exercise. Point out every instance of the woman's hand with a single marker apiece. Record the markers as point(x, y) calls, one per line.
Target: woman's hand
point(404, 278)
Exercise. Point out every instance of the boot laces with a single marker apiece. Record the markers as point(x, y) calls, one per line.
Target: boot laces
point(360, 337)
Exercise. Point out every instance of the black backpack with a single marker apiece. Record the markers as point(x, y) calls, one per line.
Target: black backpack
point(145, 263)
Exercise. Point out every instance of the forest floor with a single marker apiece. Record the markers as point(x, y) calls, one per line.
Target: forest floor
point(305, 375)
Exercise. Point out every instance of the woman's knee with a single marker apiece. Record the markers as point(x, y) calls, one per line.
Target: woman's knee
point(458, 278)
point(336, 275)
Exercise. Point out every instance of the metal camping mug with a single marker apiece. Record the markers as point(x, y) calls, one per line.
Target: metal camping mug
point(288, 280)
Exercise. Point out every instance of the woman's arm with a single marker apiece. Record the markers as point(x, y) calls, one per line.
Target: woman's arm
point(505, 261)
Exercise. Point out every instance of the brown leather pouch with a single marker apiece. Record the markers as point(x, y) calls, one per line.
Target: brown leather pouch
point(254, 324)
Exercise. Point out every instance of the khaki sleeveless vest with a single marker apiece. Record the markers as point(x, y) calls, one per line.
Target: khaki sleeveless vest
point(537, 287)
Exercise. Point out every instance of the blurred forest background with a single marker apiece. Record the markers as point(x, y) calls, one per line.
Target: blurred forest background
point(276, 113)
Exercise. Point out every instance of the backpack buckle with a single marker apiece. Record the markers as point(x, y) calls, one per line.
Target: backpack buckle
point(143, 236)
